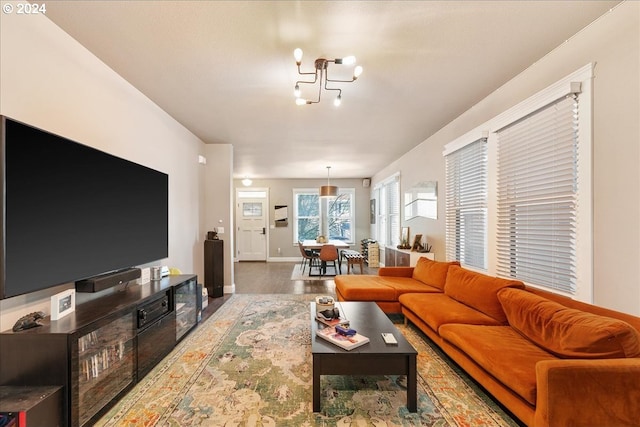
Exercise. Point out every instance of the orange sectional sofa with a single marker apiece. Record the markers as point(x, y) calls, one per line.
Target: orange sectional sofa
point(550, 360)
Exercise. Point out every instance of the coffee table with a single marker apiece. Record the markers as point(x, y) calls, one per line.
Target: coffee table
point(373, 358)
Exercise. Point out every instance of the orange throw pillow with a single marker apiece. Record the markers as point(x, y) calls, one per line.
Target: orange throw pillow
point(432, 273)
point(567, 332)
point(478, 291)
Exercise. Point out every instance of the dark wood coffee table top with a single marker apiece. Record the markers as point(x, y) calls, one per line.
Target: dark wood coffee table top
point(369, 320)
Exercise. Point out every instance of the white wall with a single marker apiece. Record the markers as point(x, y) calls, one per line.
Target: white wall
point(218, 203)
point(613, 43)
point(50, 81)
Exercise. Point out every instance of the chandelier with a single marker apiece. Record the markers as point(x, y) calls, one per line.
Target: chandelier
point(321, 76)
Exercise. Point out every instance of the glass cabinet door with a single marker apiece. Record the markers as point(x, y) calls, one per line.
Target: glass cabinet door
point(186, 307)
point(105, 367)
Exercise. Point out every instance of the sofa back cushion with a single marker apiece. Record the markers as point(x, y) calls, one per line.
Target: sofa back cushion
point(567, 332)
point(478, 291)
point(433, 273)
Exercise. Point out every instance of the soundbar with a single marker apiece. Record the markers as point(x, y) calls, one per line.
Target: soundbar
point(108, 280)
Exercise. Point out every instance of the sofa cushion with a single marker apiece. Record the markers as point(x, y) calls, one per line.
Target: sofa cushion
point(438, 309)
point(478, 290)
point(567, 332)
point(364, 288)
point(502, 352)
point(433, 273)
point(408, 285)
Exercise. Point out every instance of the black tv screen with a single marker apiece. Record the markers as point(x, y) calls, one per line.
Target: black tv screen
point(71, 212)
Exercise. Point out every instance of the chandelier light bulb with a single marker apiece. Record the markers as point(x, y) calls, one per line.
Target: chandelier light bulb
point(356, 72)
point(338, 101)
point(349, 60)
point(296, 91)
point(300, 101)
point(297, 54)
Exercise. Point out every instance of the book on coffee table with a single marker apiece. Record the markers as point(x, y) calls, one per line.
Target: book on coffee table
point(331, 322)
point(348, 343)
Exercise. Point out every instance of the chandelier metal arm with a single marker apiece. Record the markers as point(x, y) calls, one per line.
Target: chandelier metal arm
point(309, 73)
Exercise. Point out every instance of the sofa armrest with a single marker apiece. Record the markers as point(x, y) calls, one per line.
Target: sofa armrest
point(396, 271)
point(581, 392)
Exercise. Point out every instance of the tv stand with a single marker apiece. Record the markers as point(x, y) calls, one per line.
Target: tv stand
point(100, 351)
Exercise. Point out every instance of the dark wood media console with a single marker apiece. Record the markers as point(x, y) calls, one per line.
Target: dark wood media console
point(101, 350)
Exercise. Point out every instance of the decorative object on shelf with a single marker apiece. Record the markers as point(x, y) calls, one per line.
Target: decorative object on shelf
point(321, 239)
point(321, 76)
point(63, 303)
point(212, 235)
point(404, 239)
point(421, 201)
point(281, 216)
point(328, 190)
point(28, 321)
point(417, 243)
point(425, 249)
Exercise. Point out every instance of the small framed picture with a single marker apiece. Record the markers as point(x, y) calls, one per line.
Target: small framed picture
point(63, 303)
point(417, 243)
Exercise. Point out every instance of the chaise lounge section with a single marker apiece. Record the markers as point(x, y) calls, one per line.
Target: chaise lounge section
point(550, 360)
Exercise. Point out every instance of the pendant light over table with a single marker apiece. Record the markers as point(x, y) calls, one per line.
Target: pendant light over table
point(328, 190)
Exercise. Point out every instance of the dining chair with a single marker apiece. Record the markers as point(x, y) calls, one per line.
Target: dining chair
point(329, 253)
point(307, 254)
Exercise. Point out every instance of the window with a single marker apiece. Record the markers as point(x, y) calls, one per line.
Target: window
point(306, 213)
point(331, 217)
point(537, 195)
point(466, 204)
point(387, 194)
point(340, 216)
point(535, 213)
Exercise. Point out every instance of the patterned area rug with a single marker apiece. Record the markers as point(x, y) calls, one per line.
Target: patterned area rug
point(249, 364)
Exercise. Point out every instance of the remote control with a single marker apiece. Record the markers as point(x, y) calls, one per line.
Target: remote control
point(389, 338)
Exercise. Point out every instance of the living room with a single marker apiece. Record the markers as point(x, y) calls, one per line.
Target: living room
point(51, 81)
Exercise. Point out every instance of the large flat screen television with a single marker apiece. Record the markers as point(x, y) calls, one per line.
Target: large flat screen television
point(70, 212)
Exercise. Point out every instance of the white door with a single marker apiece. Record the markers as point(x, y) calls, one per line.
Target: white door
point(251, 221)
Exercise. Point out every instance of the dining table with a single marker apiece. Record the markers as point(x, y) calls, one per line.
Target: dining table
point(313, 245)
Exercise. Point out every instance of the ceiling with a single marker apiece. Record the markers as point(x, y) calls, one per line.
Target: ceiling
point(225, 69)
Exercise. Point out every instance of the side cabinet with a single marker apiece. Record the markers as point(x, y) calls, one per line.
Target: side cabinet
point(214, 267)
point(93, 364)
point(99, 352)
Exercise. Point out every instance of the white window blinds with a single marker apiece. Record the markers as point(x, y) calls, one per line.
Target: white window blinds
point(537, 191)
point(466, 204)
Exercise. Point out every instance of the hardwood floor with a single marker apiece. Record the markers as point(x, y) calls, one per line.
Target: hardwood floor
point(275, 278)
